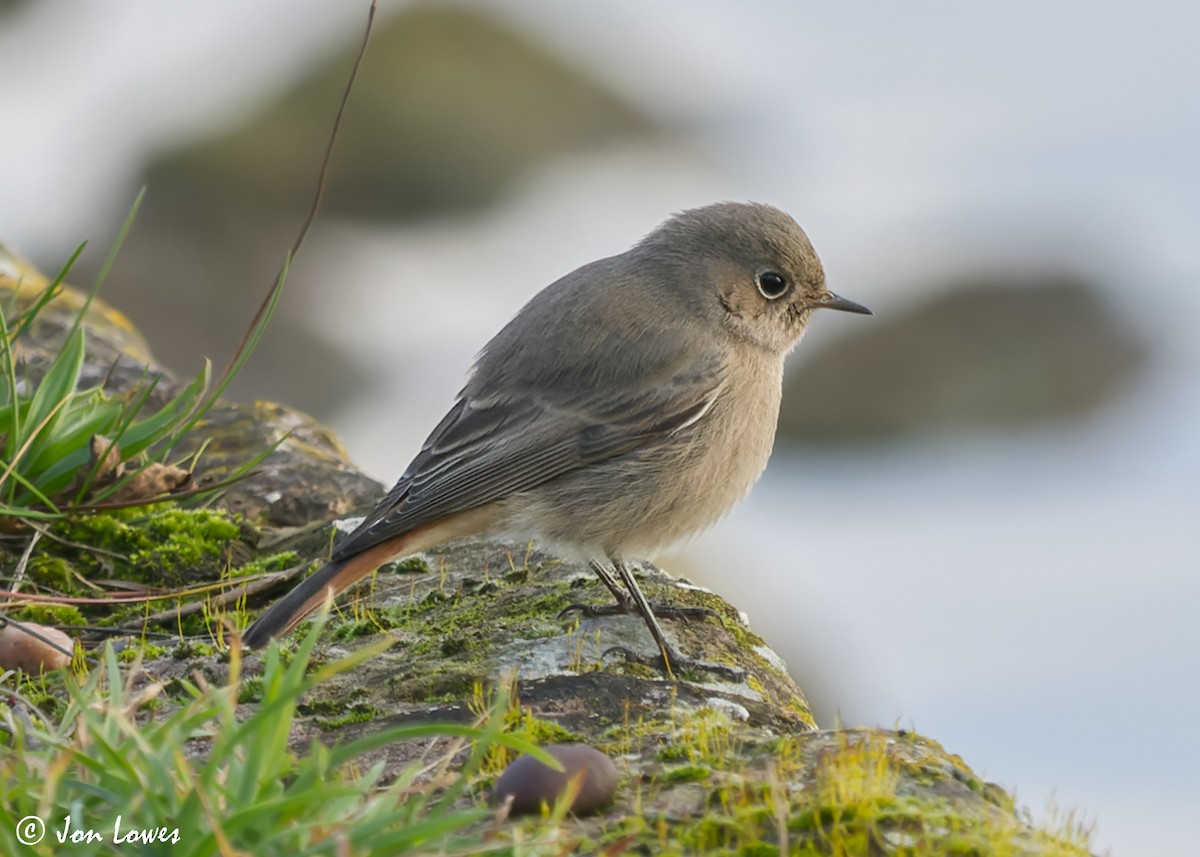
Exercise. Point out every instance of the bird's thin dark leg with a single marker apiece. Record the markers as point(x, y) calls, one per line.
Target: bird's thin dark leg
point(646, 612)
point(626, 604)
point(670, 658)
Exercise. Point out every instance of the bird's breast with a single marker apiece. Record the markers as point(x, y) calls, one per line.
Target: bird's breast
point(696, 476)
point(638, 503)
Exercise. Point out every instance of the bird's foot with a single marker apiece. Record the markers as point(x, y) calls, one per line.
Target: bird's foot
point(662, 611)
point(674, 664)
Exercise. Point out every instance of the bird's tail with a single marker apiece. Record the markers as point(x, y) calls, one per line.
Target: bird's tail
point(334, 577)
point(330, 579)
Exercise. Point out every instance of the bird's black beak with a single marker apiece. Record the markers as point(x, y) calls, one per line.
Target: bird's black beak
point(833, 301)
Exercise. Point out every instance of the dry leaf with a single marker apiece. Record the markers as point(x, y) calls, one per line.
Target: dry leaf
point(153, 481)
point(109, 456)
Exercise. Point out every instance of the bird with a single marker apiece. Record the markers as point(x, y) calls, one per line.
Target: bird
point(627, 406)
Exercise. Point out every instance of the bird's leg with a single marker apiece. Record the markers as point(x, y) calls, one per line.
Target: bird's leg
point(626, 604)
point(630, 599)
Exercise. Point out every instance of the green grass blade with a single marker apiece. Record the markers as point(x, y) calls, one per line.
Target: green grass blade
point(58, 384)
point(53, 394)
point(145, 433)
point(426, 831)
point(59, 475)
point(28, 514)
point(102, 275)
point(69, 447)
point(11, 467)
point(27, 316)
point(12, 426)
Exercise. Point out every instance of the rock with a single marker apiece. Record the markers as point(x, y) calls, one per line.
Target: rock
point(307, 479)
point(115, 350)
point(530, 784)
point(451, 109)
point(986, 353)
point(11, 7)
point(470, 612)
point(451, 106)
point(34, 648)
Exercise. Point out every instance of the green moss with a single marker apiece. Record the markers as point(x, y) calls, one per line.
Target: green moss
point(52, 571)
point(181, 555)
point(192, 649)
point(632, 668)
point(801, 713)
point(672, 753)
point(267, 564)
point(169, 545)
point(847, 802)
point(841, 794)
point(44, 692)
point(50, 614)
point(415, 564)
point(355, 630)
point(466, 628)
point(686, 774)
point(183, 542)
point(449, 685)
point(355, 712)
point(333, 712)
point(143, 651)
point(546, 731)
point(759, 849)
point(250, 690)
point(845, 794)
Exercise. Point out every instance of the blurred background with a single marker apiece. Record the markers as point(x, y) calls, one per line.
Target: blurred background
point(981, 517)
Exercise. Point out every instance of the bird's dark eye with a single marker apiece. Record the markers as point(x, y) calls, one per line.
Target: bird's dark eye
point(772, 285)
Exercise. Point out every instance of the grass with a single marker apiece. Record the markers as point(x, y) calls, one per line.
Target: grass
point(67, 448)
point(199, 777)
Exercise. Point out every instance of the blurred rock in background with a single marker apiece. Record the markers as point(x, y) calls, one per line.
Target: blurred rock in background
point(985, 352)
point(449, 111)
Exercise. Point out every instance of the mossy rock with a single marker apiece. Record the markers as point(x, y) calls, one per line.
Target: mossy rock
point(306, 479)
point(129, 564)
point(709, 766)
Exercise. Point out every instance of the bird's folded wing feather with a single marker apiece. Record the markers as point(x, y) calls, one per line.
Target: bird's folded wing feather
point(491, 445)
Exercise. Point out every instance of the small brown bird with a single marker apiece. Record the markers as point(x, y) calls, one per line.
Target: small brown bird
point(627, 406)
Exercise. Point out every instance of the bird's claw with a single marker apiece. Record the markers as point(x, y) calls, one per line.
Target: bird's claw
point(674, 664)
point(668, 611)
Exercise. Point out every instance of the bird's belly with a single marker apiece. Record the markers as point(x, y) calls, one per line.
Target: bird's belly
point(710, 479)
point(641, 502)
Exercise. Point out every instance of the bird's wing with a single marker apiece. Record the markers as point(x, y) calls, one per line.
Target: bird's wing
point(492, 445)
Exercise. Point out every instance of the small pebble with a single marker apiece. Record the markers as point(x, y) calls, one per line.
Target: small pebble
point(22, 651)
point(532, 784)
